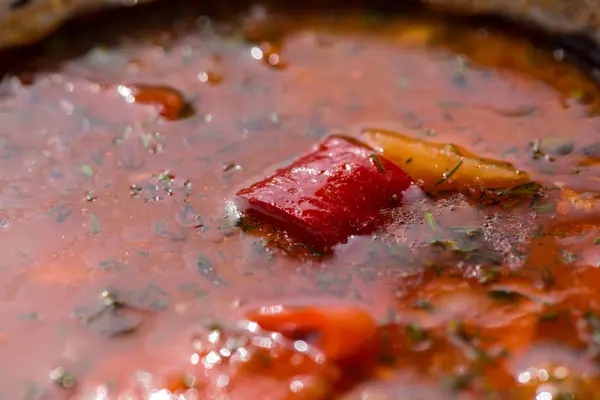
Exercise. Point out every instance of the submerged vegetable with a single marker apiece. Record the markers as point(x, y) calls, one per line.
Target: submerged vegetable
point(304, 352)
point(247, 361)
point(440, 167)
point(327, 195)
point(343, 334)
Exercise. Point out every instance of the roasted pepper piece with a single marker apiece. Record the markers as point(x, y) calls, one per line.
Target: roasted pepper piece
point(444, 167)
point(321, 199)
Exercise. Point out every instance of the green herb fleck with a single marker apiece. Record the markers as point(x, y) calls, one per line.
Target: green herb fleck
point(416, 333)
point(536, 152)
point(386, 355)
point(429, 220)
point(577, 94)
point(524, 189)
point(193, 288)
point(187, 188)
point(449, 104)
point(549, 316)
point(462, 381)
point(545, 209)
point(459, 77)
point(510, 204)
point(457, 329)
point(448, 175)
point(593, 321)
point(87, 170)
point(403, 83)
point(61, 212)
point(505, 295)
point(490, 275)
point(597, 241)
point(264, 358)
point(110, 264)
point(31, 316)
point(568, 257)
point(161, 230)
point(539, 231)
point(377, 162)
point(206, 269)
point(547, 276)
point(454, 149)
point(462, 64)
point(94, 225)
point(423, 305)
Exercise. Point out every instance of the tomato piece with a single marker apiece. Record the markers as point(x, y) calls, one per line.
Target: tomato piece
point(302, 353)
point(321, 199)
point(345, 334)
point(244, 360)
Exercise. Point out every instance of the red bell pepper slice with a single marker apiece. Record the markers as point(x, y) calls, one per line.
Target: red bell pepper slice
point(324, 197)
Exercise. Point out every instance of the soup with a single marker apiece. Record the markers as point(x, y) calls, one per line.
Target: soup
point(461, 263)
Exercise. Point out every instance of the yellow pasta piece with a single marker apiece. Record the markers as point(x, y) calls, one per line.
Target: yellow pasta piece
point(444, 167)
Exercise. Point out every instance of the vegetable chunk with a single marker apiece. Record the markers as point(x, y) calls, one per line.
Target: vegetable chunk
point(321, 199)
point(343, 333)
point(440, 167)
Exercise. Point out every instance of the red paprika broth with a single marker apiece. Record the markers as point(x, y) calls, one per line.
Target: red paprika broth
point(122, 271)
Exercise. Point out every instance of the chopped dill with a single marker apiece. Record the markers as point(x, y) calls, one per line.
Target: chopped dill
point(448, 175)
point(547, 276)
point(449, 104)
point(454, 149)
point(511, 204)
point(505, 295)
point(416, 333)
point(549, 316)
point(429, 220)
point(523, 189)
point(490, 275)
point(423, 305)
point(377, 162)
point(545, 209)
point(87, 170)
point(94, 225)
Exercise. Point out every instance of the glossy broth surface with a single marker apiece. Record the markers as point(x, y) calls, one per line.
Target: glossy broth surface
point(102, 194)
